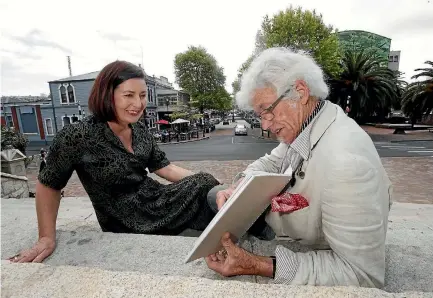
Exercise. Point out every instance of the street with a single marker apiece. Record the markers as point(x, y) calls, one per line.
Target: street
point(224, 145)
point(250, 147)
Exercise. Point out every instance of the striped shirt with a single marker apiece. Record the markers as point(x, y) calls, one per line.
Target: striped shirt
point(298, 151)
point(300, 148)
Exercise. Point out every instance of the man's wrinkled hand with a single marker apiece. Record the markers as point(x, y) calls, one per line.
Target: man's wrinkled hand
point(232, 260)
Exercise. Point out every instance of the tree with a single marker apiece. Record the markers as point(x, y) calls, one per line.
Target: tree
point(14, 138)
point(304, 30)
point(369, 87)
point(198, 73)
point(299, 30)
point(418, 96)
point(236, 85)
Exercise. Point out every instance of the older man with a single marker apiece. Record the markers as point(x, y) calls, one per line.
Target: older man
point(340, 201)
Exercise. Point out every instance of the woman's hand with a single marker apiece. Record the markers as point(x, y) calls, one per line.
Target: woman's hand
point(41, 250)
point(233, 260)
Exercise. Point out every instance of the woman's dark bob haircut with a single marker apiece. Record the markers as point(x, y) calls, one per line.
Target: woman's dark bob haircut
point(101, 99)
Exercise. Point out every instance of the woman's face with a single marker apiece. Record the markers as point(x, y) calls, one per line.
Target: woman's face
point(130, 100)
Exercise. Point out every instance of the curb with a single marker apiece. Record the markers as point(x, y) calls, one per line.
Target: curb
point(416, 140)
point(183, 142)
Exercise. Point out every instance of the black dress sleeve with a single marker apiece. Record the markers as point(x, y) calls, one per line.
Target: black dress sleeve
point(63, 155)
point(158, 159)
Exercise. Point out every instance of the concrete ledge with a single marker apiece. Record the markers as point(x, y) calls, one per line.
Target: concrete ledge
point(37, 280)
point(81, 243)
point(6, 175)
point(183, 142)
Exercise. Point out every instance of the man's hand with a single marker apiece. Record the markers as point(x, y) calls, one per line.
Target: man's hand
point(233, 260)
point(222, 196)
point(41, 250)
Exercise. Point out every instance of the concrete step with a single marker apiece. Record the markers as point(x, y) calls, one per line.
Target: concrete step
point(37, 280)
point(80, 243)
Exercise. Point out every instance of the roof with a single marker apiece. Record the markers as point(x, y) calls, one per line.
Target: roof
point(24, 99)
point(361, 32)
point(83, 77)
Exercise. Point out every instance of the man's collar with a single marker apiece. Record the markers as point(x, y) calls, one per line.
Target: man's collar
point(309, 137)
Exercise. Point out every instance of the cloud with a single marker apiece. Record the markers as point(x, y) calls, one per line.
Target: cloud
point(420, 23)
point(114, 36)
point(36, 38)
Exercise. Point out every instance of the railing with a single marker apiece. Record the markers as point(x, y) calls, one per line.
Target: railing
point(167, 137)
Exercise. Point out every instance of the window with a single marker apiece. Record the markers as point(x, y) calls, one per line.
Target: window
point(71, 94)
point(66, 120)
point(395, 58)
point(67, 94)
point(63, 96)
point(49, 127)
point(9, 121)
point(74, 118)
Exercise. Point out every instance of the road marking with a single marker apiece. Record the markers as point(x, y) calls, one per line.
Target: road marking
point(232, 140)
point(420, 151)
point(405, 148)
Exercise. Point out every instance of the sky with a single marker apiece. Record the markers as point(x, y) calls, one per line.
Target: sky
point(37, 36)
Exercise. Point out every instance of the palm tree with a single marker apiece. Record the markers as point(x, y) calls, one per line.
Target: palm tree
point(418, 97)
point(367, 87)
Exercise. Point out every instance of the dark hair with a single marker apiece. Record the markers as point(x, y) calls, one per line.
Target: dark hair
point(101, 99)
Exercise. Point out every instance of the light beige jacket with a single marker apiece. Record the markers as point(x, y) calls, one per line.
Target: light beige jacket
point(349, 196)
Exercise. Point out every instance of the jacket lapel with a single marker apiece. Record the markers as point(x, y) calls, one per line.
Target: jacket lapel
point(321, 125)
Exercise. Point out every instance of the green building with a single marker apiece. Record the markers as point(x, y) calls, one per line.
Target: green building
point(358, 39)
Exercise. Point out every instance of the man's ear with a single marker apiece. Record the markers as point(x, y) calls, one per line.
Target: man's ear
point(303, 91)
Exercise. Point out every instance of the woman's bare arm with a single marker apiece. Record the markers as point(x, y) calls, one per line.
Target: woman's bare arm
point(47, 207)
point(173, 173)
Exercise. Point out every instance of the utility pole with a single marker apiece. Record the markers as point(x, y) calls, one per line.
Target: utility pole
point(69, 66)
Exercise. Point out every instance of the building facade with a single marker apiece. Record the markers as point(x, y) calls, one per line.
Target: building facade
point(359, 40)
point(40, 118)
point(27, 114)
point(394, 60)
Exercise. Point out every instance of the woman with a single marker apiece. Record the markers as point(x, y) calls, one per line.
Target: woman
point(111, 151)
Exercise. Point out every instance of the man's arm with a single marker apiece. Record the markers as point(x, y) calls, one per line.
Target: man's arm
point(354, 219)
point(270, 163)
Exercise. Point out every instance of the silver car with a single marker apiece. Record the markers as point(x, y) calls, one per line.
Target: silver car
point(241, 129)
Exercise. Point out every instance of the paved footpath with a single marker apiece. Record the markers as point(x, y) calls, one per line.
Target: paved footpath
point(412, 177)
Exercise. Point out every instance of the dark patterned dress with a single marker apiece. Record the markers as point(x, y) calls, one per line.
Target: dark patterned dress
point(125, 198)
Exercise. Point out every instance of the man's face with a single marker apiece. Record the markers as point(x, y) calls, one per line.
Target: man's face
point(286, 118)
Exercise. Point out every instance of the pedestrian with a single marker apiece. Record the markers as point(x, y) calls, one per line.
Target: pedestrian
point(112, 153)
point(338, 201)
point(42, 159)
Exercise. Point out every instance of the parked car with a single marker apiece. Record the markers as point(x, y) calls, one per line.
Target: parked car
point(255, 123)
point(241, 129)
point(225, 122)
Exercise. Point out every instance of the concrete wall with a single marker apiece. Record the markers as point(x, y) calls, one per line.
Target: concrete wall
point(14, 186)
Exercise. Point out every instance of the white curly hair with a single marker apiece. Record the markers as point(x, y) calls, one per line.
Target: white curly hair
point(279, 68)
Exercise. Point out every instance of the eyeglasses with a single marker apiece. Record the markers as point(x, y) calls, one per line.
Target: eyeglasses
point(267, 114)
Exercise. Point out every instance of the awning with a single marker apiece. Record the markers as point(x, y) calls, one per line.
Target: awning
point(179, 121)
point(162, 121)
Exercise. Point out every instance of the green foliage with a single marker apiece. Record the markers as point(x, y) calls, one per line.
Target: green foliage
point(178, 115)
point(16, 139)
point(299, 30)
point(304, 30)
point(418, 97)
point(371, 87)
point(236, 85)
point(198, 73)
